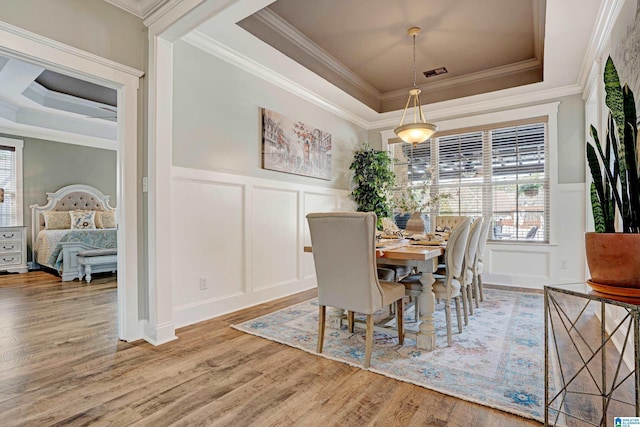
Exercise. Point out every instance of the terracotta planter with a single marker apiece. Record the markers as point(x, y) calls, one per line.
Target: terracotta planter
point(614, 263)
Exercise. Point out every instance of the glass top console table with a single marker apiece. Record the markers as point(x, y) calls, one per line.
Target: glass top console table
point(591, 357)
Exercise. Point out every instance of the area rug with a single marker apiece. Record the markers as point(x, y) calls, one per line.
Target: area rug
point(497, 361)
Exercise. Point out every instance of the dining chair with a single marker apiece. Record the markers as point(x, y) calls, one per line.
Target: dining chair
point(448, 221)
point(447, 287)
point(479, 264)
point(344, 253)
point(468, 272)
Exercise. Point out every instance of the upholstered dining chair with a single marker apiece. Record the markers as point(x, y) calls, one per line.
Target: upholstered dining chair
point(344, 253)
point(448, 221)
point(479, 265)
point(468, 273)
point(448, 287)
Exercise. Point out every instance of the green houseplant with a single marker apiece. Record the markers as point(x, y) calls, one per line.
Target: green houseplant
point(373, 179)
point(614, 258)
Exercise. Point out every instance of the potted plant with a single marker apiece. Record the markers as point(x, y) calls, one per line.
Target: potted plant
point(614, 257)
point(373, 179)
point(529, 190)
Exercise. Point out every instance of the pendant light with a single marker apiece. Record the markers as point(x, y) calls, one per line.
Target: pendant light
point(418, 131)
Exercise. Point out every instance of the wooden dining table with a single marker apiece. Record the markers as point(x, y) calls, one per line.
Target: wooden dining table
point(425, 259)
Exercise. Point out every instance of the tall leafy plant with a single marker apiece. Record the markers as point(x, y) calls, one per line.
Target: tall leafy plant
point(614, 167)
point(373, 179)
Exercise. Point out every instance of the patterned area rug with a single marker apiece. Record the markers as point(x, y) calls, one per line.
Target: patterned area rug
point(497, 361)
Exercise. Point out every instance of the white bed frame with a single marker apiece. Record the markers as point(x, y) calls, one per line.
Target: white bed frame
point(71, 197)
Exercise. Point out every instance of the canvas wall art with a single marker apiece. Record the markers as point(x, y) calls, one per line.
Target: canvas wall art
point(294, 147)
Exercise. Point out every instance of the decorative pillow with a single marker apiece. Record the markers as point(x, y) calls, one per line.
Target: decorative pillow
point(108, 219)
point(57, 220)
point(82, 219)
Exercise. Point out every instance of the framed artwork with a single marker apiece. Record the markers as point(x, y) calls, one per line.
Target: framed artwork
point(294, 147)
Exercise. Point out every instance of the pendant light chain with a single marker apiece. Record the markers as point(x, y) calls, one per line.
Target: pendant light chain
point(414, 62)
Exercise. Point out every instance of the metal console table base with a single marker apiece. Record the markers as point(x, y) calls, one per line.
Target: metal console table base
point(592, 384)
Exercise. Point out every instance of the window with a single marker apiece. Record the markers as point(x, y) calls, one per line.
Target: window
point(498, 171)
point(11, 181)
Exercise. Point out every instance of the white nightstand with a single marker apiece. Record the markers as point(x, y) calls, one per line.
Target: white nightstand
point(13, 249)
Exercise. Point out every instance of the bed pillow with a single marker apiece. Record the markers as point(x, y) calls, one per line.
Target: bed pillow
point(106, 219)
point(109, 219)
point(82, 219)
point(57, 220)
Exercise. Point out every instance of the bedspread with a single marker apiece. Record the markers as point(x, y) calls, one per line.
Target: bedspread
point(49, 248)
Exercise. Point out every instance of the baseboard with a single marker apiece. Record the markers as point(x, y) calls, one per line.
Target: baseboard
point(160, 334)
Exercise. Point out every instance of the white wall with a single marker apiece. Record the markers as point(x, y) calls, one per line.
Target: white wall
point(239, 227)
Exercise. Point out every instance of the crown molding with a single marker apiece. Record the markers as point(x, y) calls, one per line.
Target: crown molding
point(466, 106)
point(289, 32)
point(607, 15)
point(140, 8)
point(492, 73)
point(56, 136)
point(231, 56)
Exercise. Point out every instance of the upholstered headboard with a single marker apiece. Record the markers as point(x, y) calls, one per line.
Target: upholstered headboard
point(71, 197)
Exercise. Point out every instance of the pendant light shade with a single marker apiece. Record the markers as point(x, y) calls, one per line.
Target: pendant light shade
point(418, 131)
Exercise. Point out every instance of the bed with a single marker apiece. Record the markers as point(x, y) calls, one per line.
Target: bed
point(55, 244)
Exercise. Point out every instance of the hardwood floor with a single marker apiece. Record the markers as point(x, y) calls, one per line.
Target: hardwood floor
point(62, 364)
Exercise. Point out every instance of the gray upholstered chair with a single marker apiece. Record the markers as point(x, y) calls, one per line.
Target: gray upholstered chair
point(344, 253)
point(449, 221)
point(448, 287)
point(479, 265)
point(469, 262)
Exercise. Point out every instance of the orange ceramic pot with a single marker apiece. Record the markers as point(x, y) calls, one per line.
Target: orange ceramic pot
point(614, 263)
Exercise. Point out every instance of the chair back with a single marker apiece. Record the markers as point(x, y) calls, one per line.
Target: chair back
point(472, 243)
point(532, 232)
point(456, 246)
point(484, 235)
point(344, 253)
point(449, 221)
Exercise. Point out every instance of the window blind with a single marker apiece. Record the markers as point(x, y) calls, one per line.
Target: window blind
point(498, 172)
point(8, 183)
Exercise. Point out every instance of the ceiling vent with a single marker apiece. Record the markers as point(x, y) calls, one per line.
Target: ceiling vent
point(435, 72)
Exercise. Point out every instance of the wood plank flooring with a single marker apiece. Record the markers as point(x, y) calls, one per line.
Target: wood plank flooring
point(62, 364)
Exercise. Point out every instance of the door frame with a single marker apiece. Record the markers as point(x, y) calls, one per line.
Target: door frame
point(27, 46)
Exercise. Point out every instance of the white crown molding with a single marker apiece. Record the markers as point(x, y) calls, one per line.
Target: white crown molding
point(445, 110)
point(289, 32)
point(215, 48)
point(24, 34)
point(502, 71)
point(97, 128)
point(140, 8)
point(607, 15)
point(539, 20)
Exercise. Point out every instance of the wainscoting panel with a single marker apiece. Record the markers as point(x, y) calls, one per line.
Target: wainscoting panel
point(244, 235)
point(207, 240)
point(274, 232)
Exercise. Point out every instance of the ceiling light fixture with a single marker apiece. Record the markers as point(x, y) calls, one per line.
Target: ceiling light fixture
point(418, 131)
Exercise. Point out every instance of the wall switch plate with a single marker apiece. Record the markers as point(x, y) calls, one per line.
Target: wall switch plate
point(203, 283)
point(145, 184)
point(563, 264)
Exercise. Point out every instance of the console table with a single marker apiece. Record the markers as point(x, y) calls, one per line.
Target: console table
point(593, 384)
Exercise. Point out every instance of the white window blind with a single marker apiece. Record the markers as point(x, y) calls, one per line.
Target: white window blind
point(8, 208)
point(498, 172)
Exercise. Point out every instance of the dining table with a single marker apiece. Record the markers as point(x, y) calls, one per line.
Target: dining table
point(424, 257)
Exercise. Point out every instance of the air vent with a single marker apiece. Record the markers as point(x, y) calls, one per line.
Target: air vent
point(435, 72)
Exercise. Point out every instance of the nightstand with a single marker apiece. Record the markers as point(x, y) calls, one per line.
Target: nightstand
point(13, 249)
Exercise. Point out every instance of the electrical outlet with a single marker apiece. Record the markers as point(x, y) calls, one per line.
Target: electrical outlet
point(563, 264)
point(203, 283)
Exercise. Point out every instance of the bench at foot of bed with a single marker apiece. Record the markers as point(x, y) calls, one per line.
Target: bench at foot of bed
point(96, 261)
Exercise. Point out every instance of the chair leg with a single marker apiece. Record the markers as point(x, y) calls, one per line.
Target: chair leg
point(400, 320)
point(480, 288)
point(416, 308)
point(321, 317)
point(368, 341)
point(476, 290)
point(458, 315)
point(351, 321)
point(447, 311)
point(465, 309)
point(470, 298)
